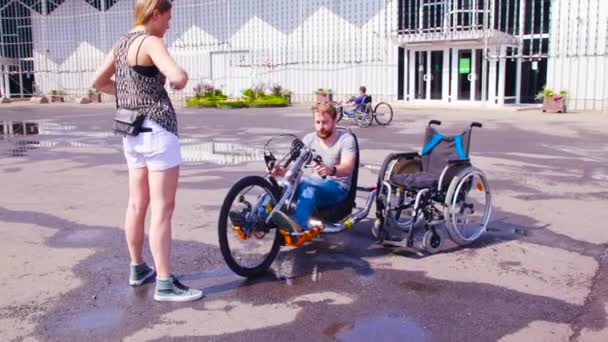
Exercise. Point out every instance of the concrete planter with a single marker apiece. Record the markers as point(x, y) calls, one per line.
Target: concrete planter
point(554, 104)
point(57, 98)
point(324, 97)
point(94, 97)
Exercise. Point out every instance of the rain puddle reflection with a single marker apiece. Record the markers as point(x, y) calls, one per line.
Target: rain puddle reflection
point(387, 328)
point(17, 138)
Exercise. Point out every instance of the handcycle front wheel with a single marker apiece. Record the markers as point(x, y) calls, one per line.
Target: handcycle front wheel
point(364, 118)
point(340, 114)
point(383, 113)
point(242, 226)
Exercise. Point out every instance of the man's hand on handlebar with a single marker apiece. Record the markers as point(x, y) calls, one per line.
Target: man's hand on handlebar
point(323, 170)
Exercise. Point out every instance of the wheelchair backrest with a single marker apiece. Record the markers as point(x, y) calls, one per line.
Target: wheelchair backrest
point(439, 149)
point(353, 184)
point(367, 101)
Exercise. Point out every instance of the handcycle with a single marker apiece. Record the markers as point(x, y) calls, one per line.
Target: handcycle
point(438, 186)
point(245, 216)
point(364, 113)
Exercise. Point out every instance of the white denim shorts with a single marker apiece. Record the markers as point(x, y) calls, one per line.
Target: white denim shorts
point(157, 150)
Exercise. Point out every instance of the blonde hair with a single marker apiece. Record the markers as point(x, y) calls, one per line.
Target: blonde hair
point(145, 8)
point(326, 108)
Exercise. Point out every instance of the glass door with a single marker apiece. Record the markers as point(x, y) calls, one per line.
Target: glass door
point(468, 68)
point(436, 75)
point(428, 71)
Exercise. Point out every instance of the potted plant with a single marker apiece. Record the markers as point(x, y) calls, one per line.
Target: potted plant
point(324, 95)
point(286, 94)
point(94, 95)
point(553, 102)
point(57, 95)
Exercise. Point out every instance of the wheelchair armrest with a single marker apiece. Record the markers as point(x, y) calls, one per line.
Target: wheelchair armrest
point(394, 156)
point(458, 161)
point(409, 155)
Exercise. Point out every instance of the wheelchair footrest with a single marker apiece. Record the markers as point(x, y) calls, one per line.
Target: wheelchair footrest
point(305, 236)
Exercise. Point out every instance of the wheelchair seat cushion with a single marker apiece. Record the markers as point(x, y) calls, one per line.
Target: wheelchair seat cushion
point(416, 181)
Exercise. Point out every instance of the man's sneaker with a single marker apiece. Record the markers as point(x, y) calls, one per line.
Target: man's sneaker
point(171, 290)
point(284, 221)
point(236, 218)
point(140, 273)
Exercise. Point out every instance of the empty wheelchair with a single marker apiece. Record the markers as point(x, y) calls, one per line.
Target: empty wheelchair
point(437, 187)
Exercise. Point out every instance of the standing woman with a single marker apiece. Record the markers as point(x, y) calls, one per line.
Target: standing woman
point(141, 64)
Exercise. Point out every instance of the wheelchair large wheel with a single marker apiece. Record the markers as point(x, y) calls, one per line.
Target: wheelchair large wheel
point(364, 118)
point(468, 205)
point(383, 113)
point(248, 244)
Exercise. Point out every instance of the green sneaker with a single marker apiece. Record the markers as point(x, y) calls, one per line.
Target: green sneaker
point(140, 273)
point(283, 221)
point(171, 290)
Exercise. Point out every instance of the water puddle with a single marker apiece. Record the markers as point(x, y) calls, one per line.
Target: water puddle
point(84, 236)
point(221, 153)
point(388, 328)
point(17, 138)
point(96, 319)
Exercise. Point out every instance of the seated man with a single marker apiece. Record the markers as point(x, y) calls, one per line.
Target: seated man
point(338, 150)
point(359, 100)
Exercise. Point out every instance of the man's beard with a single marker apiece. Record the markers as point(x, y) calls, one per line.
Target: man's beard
point(323, 134)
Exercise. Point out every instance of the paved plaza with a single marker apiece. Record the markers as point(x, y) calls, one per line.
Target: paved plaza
point(539, 274)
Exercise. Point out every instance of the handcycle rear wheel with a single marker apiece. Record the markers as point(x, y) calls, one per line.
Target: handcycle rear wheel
point(383, 113)
point(242, 224)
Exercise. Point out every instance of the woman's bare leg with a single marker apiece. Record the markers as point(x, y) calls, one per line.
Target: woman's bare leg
point(163, 186)
point(139, 199)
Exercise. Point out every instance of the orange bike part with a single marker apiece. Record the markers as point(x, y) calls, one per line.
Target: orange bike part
point(240, 232)
point(307, 236)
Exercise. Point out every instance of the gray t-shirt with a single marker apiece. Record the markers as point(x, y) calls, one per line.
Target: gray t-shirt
point(344, 145)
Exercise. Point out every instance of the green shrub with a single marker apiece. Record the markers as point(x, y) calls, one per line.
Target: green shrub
point(231, 103)
point(547, 93)
point(193, 102)
point(249, 93)
point(271, 100)
point(208, 101)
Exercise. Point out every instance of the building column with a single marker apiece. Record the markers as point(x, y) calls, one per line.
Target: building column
point(7, 85)
point(502, 64)
point(2, 81)
point(454, 84)
point(20, 80)
point(492, 78)
point(413, 75)
point(445, 82)
point(406, 65)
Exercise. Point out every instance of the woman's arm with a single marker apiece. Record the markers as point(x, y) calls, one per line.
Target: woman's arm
point(103, 79)
point(159, 54)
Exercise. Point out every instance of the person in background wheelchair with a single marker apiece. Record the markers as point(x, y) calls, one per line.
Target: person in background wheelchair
point(330, 183)
point(359, 100)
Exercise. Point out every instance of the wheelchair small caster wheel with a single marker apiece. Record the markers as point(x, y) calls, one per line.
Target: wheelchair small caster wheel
point(376, 228)
point(432, 242)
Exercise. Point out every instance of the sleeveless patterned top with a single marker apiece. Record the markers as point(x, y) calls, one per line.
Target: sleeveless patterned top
point(147, 95)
